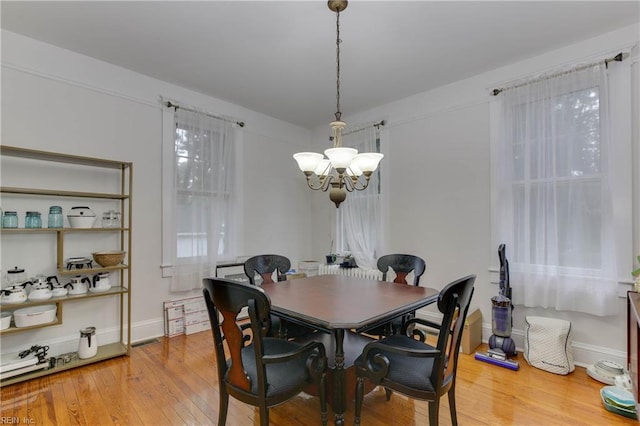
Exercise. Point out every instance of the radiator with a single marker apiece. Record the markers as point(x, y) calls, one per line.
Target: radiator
point(372, 274)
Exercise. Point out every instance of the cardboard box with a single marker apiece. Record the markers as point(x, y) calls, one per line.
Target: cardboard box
point(472, 332)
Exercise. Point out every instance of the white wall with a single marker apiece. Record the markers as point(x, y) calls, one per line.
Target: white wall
point(57, 100)
point(436, 176)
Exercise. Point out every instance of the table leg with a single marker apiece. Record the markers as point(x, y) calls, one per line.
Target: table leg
point(339, 380)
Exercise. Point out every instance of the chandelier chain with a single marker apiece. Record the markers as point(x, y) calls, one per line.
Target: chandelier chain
point(338, 41)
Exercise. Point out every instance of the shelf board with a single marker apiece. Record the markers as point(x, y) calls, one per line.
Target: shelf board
point(85, 271)
point(68, 298)
point(111, 350)
point(14, 329)
point(53, 230)
point(58, 193)
point(62, 158)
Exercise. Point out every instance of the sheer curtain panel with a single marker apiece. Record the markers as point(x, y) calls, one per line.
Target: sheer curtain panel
point(358, 218)
point(555, 177)
point(203, 188)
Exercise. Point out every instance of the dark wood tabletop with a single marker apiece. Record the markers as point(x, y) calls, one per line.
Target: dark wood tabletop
point(339, 302)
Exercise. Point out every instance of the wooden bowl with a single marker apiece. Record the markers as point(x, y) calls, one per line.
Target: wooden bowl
point(109, 258)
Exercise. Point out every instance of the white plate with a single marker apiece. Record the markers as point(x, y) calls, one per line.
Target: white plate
point(591, 371)
point(609, 368)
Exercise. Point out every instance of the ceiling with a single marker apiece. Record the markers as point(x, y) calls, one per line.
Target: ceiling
point(278, 58)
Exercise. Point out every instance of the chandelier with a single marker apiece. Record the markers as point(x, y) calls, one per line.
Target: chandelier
point(344, 170)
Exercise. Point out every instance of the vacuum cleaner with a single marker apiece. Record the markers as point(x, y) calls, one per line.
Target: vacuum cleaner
point(501, 345)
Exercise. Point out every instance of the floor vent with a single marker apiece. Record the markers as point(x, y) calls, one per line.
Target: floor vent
point(144, 342)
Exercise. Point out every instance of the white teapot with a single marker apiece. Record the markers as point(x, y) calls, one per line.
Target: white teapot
point(40, 292)
point(100, 282)
point(78, 285)
point(57, 289)
point(13, 295)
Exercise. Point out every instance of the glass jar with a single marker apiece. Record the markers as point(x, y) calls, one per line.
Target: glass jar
point(33, 220)
point(55, 219)
point(111, 219)
point(10, 219)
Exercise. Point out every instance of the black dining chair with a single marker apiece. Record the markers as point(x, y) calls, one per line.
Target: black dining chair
point(402, 265)
point(261, 371)
point(267, 266)
point(414, 368)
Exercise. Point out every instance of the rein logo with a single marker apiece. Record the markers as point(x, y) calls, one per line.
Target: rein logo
point(6, 420)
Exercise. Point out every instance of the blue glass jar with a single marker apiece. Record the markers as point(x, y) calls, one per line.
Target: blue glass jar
point(33, 220)
point(10, 219)
point(55, 219)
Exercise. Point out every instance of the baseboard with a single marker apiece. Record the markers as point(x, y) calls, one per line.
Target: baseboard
point(583, 354)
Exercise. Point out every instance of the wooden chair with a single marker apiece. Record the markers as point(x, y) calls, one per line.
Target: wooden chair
point(402, 265)
point(261, 371)
point(417, 369)
point(266, 266)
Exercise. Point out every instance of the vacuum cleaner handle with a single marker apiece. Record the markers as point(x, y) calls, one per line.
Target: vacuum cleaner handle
point(505, 288)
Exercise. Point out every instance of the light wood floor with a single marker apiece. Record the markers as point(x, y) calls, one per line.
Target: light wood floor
point(173, 382)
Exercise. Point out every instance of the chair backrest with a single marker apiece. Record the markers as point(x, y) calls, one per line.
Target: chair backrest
point(226, 298)
point(265, 265)
point(453, 301)
point(402, 265)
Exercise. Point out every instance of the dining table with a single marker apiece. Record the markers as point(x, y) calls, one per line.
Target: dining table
point(341, 308)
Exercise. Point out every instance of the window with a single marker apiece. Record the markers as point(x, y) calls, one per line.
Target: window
point(358, 220)
point(198, 192)
point(557, 181)
point(556, 178)
point(199, 195)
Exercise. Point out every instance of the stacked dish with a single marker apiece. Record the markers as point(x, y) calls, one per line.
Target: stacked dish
point(619, 401)
point(605, 371)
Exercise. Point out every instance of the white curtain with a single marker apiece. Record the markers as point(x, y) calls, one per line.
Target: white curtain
point(552, 203)
point(359, 216)
point(203, 187)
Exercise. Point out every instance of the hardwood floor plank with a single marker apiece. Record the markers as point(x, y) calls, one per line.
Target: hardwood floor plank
point(174, 382)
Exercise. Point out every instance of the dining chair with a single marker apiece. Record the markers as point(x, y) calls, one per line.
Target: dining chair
point(260, 370)
point(414, 368)
point(402, 265)
point(267, 266)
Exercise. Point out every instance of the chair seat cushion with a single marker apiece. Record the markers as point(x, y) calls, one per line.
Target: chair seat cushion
point(409, 371)
point(283, 377)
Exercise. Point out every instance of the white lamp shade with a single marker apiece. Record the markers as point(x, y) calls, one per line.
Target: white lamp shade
point(354, 170)
point(308, 161)
point(341, 157)
point(323, 168)
point(368, 161)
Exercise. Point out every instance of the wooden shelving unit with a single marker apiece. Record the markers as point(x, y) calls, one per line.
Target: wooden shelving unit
point(122, 291)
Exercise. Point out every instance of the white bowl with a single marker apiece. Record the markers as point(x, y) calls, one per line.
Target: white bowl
point(34, 315)
point(5, 320)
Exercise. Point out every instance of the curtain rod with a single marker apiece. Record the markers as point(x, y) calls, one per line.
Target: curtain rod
point(376, 125)
point(170, 104)
point(618, 58)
